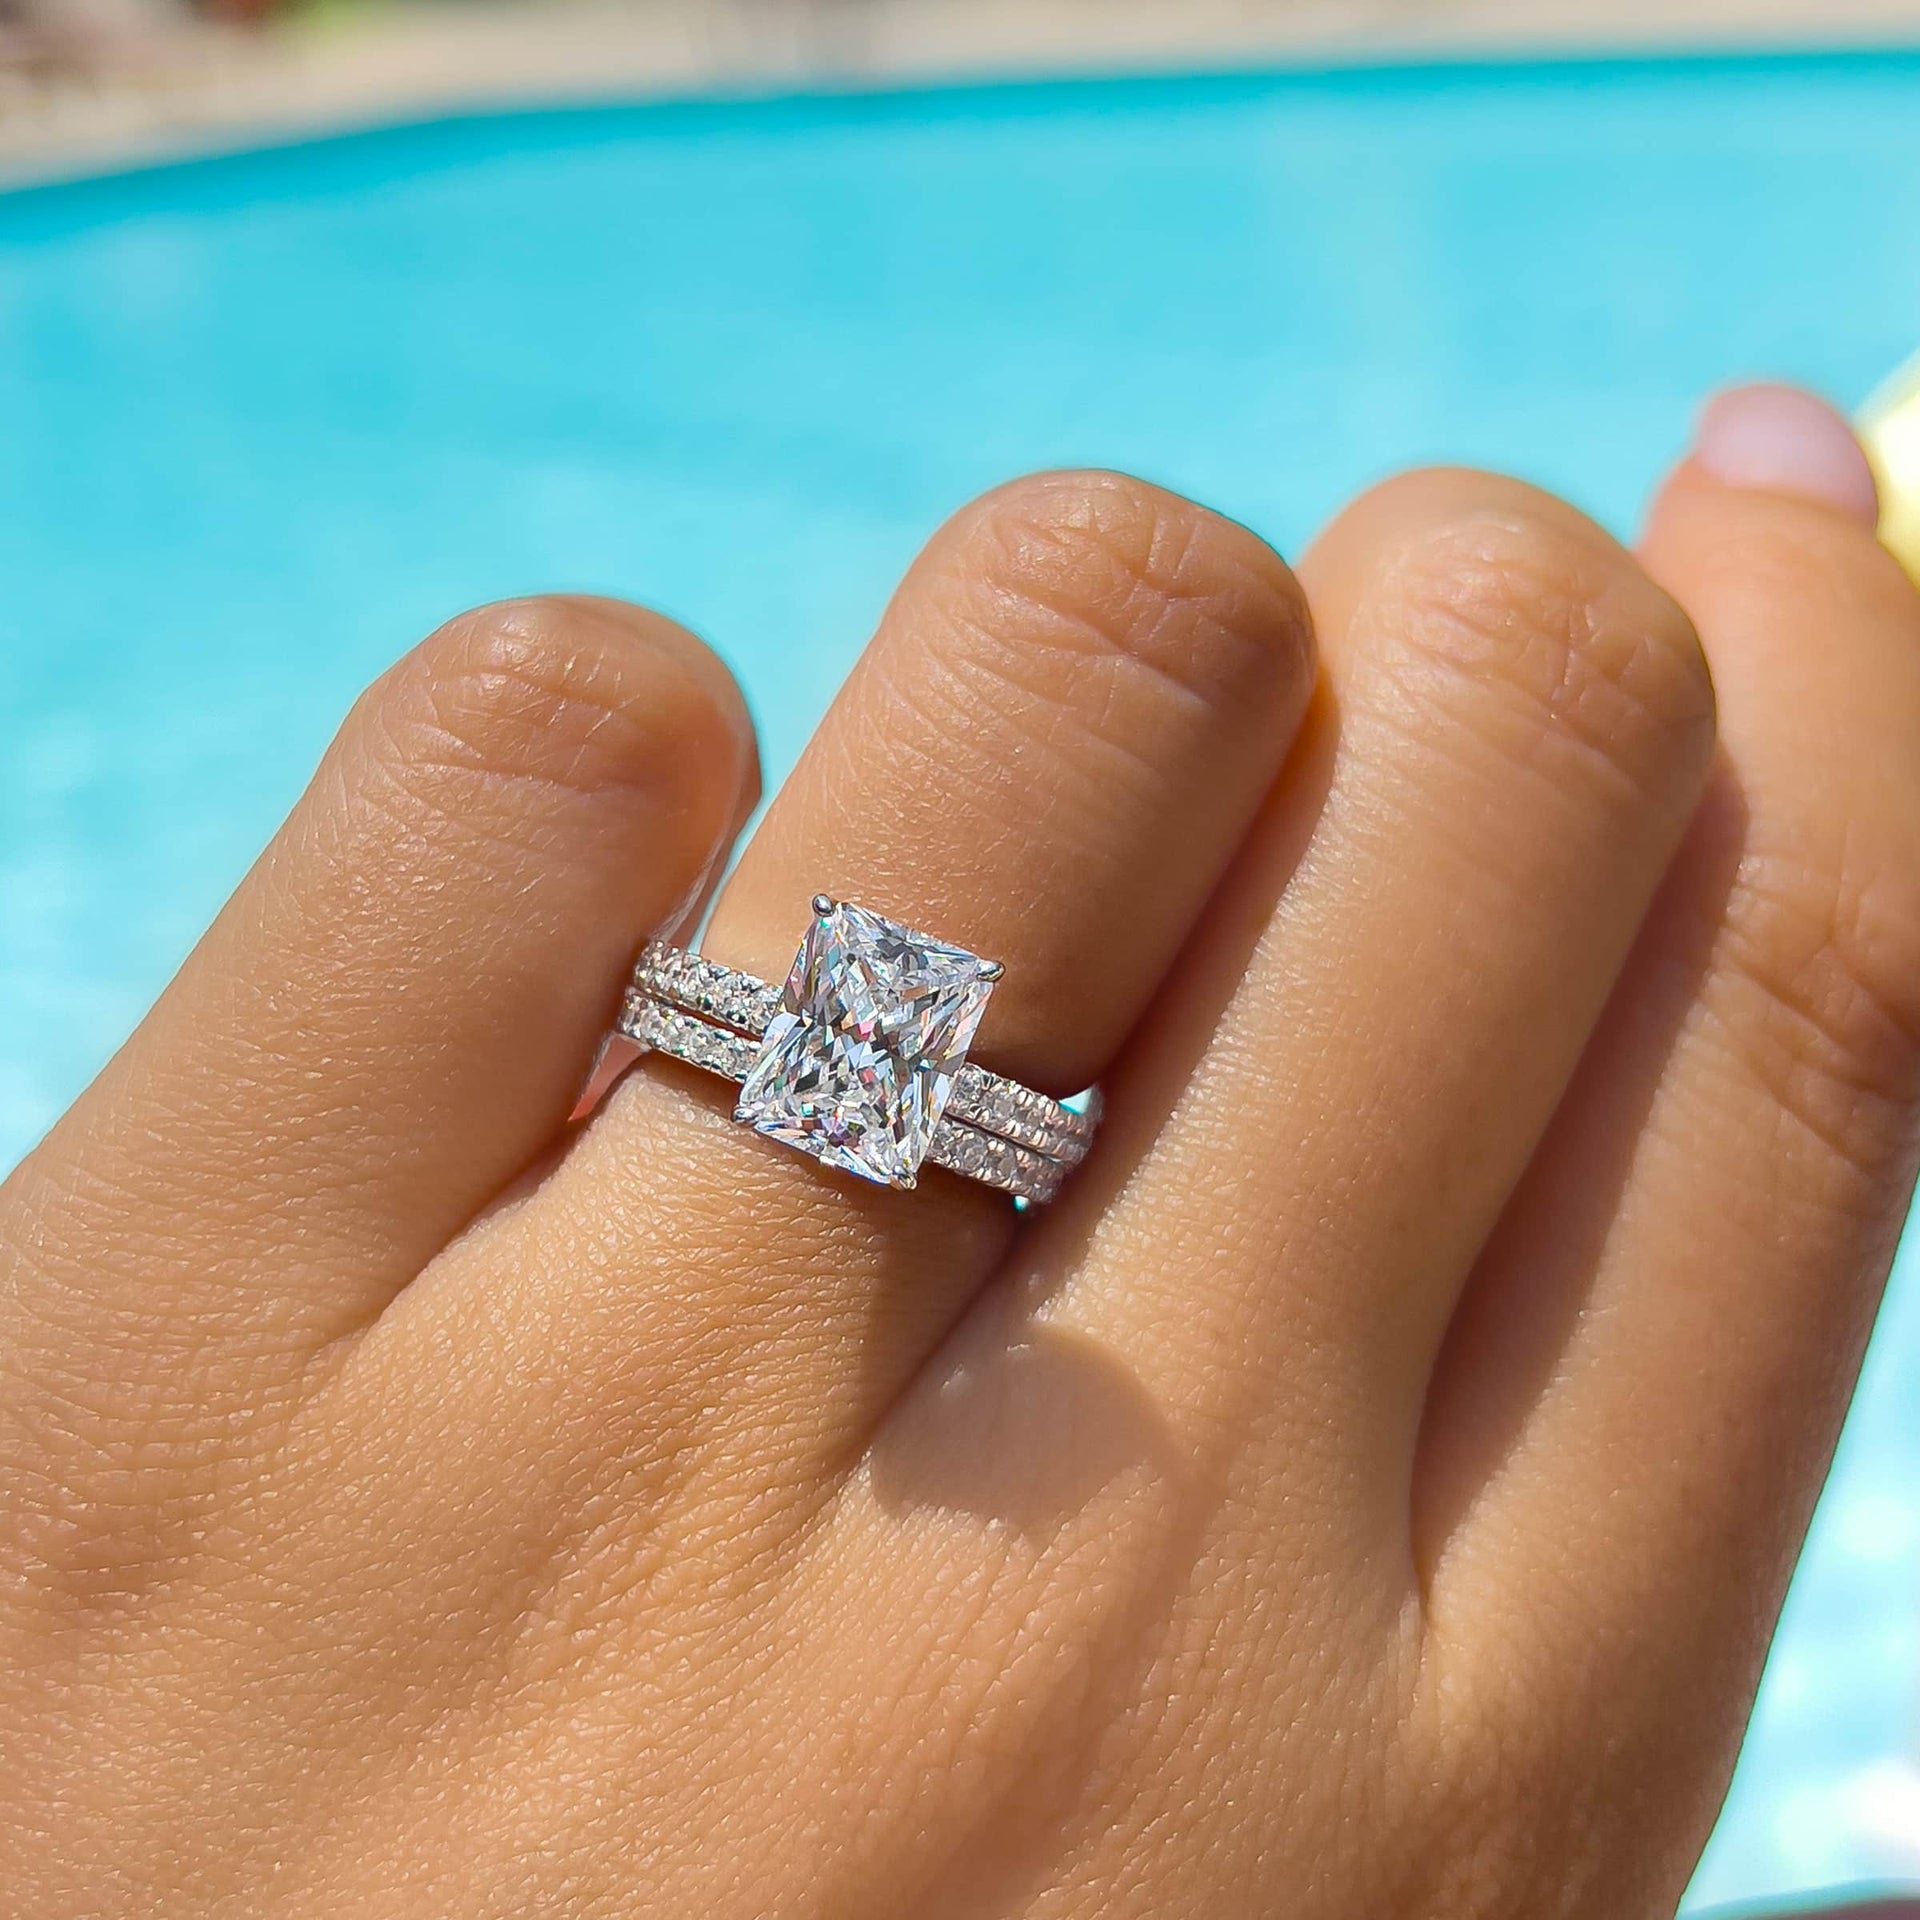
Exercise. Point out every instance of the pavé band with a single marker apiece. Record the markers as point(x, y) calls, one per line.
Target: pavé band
point(860, 1059)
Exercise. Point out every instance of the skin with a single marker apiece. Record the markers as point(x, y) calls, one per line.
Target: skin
point(1368, 1492)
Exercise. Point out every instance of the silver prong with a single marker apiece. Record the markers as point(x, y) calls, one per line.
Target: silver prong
point(823, 904)
point(992, 969)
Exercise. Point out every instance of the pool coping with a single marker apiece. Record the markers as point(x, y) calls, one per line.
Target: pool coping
point(260, 126)
point(665, 107)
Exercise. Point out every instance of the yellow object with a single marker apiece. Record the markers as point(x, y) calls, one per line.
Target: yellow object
point(1890, 431)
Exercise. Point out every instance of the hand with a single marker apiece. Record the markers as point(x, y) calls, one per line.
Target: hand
point(1367, 1492)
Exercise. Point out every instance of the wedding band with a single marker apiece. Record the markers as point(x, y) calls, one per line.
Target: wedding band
point(860, 1059)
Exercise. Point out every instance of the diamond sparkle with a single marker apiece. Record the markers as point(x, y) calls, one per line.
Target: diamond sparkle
point(858, 1065)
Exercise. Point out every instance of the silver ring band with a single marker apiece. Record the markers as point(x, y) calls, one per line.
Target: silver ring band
point(1014, 1169)
point(989, 1101)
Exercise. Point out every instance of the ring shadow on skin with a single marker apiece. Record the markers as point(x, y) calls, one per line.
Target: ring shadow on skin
point(1520, 1308)
point(1027, 1430)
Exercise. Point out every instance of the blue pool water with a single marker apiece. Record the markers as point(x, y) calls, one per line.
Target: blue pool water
point(263, 420)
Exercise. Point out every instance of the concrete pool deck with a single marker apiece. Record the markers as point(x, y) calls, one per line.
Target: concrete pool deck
point(150, 86)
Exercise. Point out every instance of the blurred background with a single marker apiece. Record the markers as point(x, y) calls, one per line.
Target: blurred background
point(322, 319)
point(92, 78)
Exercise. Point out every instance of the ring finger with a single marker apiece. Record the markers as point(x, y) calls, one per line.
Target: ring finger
point(1050, 752)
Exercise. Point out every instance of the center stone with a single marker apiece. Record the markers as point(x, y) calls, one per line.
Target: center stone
point(874, 1023)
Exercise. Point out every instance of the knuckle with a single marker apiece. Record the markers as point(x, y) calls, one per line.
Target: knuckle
point(1828, 960)
point(559, 696)
point(1080, 588)
point(1531, 626)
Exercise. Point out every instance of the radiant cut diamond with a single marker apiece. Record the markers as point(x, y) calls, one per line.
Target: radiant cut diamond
point(857, 1066)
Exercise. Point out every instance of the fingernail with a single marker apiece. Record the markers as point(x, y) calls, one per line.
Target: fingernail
point(1781, 440)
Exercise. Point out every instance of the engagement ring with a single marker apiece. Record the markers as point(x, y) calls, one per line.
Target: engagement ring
point(861, 1059)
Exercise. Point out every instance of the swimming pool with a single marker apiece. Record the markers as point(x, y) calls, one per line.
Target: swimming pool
point(263, 420)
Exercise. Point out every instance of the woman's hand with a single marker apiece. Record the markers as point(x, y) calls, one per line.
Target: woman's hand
point(1367, 1492)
